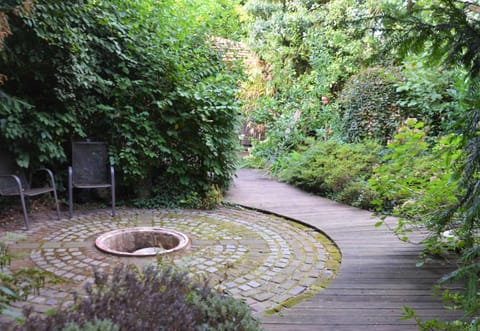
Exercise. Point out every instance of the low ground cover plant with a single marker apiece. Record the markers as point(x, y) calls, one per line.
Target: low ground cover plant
point(336, 170)
point(19, 284)
point(155, 298)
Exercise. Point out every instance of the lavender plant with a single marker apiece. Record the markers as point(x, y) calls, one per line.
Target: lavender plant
point(153, 299)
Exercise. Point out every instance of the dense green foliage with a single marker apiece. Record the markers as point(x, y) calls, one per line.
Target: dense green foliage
point(335, 170)
point(433, 94)
point(309, 50)
point(154, 299)
point(369, 103)
point(425, 112)
point(141, 75)
point(414, 180)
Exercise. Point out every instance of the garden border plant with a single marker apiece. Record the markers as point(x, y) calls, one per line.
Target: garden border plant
point(154, 298)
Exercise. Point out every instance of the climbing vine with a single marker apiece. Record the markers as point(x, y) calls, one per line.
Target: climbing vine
point(141, 75)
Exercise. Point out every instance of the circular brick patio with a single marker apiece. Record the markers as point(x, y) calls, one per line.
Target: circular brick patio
point(267, 260)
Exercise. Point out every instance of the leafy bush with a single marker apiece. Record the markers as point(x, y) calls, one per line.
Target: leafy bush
point(165, 193)
point(308, 49)
point(432, 94)
point(415, 180)
point(159, 94)
point(335, 170)
point(422, 30)
point(340, 42)
point(358, 194)
point(369, 102)
point(284, 135)
point(155, 299)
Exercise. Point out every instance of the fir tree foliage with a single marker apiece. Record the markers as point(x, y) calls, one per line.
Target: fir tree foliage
point(449, 32)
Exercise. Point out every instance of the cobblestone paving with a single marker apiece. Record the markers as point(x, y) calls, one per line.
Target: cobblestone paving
point(264, 259)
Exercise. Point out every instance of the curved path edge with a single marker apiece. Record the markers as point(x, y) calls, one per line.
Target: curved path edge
point(377, 276)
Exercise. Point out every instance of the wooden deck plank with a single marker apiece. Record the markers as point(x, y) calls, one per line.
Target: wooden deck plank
point(377, 275)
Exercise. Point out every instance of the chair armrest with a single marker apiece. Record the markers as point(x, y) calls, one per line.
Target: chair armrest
point(14, 189)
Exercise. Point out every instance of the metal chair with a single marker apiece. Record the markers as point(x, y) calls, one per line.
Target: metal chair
point(13, 182)
point(90, 169)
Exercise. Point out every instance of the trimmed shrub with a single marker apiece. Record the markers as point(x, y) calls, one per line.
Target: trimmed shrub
point(335, 170)
point(369, 102)
point(154, 299)
point(358, 194)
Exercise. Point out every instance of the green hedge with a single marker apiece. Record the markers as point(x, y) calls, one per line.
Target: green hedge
point(335, 170)
point(369, 105)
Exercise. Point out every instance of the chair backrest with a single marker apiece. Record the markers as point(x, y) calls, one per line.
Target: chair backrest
point(90, 163)
point(8, 166)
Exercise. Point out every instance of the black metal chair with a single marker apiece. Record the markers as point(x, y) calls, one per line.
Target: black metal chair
point(90, 170)
point(13, 182)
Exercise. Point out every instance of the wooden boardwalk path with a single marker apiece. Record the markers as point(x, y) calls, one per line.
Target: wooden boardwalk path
point(377, 277)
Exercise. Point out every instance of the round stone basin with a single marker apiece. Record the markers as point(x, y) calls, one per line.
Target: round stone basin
point(142, 241)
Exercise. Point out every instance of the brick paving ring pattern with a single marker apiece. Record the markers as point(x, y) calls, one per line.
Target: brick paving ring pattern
point(268, 261)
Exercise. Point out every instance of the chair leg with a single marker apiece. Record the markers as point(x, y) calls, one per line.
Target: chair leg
point(113, 201)
point(25, 212)
point(70, 193)
point(56, 202)
point(54, 189)
point(70, 201)
point(112, 178)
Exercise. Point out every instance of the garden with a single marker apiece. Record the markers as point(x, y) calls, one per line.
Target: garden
point(374, 104)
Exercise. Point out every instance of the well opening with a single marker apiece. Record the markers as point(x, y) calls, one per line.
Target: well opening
point(142, 241)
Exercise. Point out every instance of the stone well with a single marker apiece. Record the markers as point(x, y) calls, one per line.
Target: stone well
point(142, 241)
